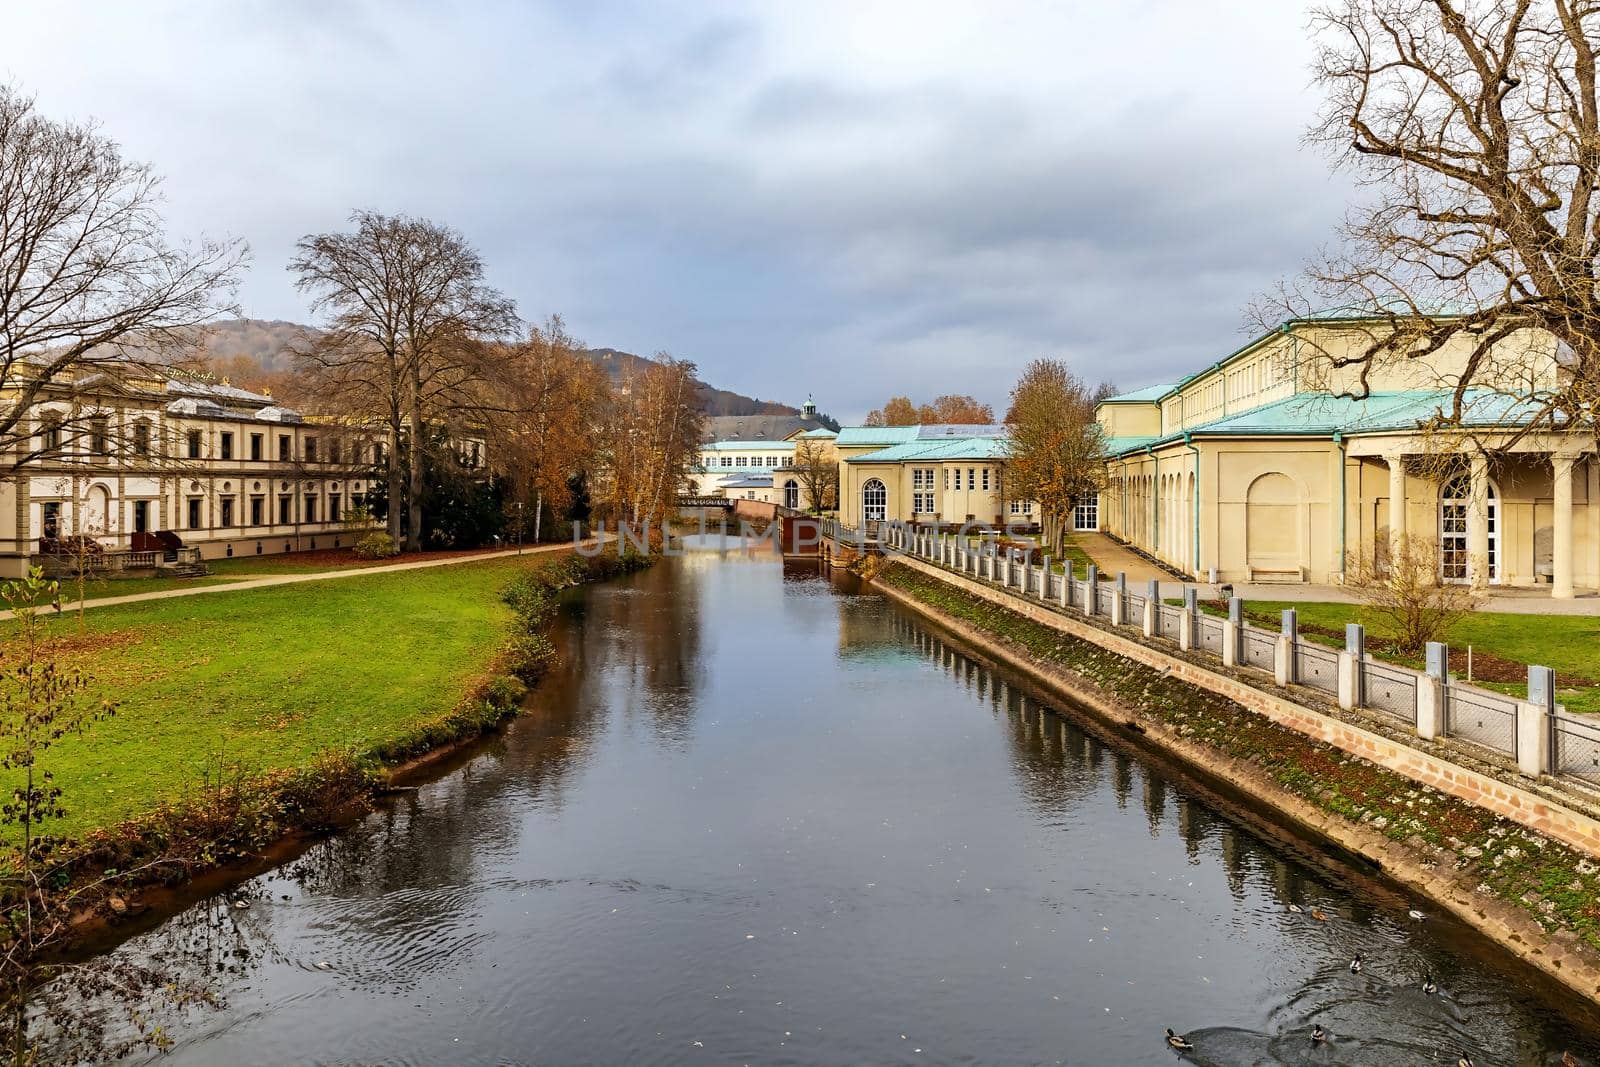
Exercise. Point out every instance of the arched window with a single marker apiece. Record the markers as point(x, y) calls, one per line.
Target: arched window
point(1455, 503)
point(874, 501)
point(791, 495)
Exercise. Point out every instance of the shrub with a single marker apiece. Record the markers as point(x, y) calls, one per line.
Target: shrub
point(376, 546)
point(504, 691)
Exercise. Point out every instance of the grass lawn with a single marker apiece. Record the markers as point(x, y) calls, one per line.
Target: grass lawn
point(1568, 643)
point(264, 678)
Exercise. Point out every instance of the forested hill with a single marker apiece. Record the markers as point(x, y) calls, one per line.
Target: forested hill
point(713, 401)
point(255, 353)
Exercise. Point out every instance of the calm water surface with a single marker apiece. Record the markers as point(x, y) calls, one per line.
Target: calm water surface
point(755, 819)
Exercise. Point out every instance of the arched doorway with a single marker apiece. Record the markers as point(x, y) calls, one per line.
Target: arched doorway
point(1455, 507)
point(1274, 533)
point(791, 495)
point(874, 501)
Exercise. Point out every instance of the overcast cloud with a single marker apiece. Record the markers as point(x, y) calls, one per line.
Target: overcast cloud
point(848, 199)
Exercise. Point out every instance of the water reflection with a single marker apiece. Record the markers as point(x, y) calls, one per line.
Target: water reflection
point(753, 818)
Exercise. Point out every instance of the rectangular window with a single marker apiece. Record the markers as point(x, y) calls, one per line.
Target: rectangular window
point(194, 513)
point(99, 435)
point(141, 516)
point(50, 436)
point(258, 507)
point(311, 509)
point(194, 446)
point(377, 453)
point(141, 438)
point(947, 478)
point(922, 503)
point(333, 507)
point(972, 479)
point(227, 448)
point(285, 511)
point(227, 512)
point(311, 449)
point(1020, 507)
point(727, 461)
point(52, 518)
point(477, 455)
point(257, 445)
point(285, 454)
point(333, 450)
point(986, 478)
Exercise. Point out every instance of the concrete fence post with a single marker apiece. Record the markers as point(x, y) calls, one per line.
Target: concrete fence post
point(1353, 668)
point(1433, 695)
point(1119, 600)
point(1535, 752)
point(1152, 608)
point(1066, 585)
point(1232, 632)
point(1091, 591)
point(1284, 667)
point(1188, 620)
point(1044, 580)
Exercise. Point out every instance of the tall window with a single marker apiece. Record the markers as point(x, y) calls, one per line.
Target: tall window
point(986, 478)
point(972, 478)
point(52, 518)
point(50, 435)
point(333, 450)
point(333, 507)
point(874, 501)
point(141, 516)
point(194, 446)
point(227, 512)
point(1086, 513)
point(285, 510)
point(285, 454)
point(257, 447)
point(99, 435)
point(141, 438)
point(310, 508)
point(947, 478)
point(311, 449)
point(258, 507)
point(194, 513)
point(227, 449)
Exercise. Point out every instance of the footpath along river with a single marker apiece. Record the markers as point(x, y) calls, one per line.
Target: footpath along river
point(758, 818)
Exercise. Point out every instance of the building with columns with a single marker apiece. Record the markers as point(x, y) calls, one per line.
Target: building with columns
point(146, 463)
point(1287, 461)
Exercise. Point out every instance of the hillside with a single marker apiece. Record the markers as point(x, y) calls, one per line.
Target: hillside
point(254, 353)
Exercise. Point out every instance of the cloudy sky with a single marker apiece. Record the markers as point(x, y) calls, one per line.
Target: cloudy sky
point(849, 199)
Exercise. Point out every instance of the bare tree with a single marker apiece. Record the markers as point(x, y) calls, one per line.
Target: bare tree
point(816, 465)
point(88, 279)
point(1401, 587)
point(407, 337)
point(652, 438)
point(1478, 127)
point(1055, 447)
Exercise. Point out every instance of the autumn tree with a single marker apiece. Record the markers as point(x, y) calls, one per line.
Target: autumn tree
point(1477, 128)
point(816, 467)
point(652, 436)
point(408, 338)
point(951, 408)
point(88, 277)
point(1055, 446)
point(555, 398)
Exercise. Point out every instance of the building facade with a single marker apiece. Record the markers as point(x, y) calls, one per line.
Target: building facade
point(132, 458)
point(947, 475)
point(1287, 461)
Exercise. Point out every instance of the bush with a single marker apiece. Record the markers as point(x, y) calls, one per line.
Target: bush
point(504, 691)
point(376, 546)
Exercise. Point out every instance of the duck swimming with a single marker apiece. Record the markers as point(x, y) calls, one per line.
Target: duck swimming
point(1319, 915)
point(1429, 986)
point(1355, 964)
point(1178, 1041)
point(1319, 1036)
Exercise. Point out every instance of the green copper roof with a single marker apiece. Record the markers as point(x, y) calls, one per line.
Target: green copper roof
point(936, 449)
point(747, 446)
point(860, 436)
point(1322, 415)
point(1148, 395)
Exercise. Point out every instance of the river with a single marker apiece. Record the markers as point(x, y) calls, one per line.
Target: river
point(755, 818)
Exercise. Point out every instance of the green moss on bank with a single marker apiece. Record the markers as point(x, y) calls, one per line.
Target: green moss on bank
point(1557, 885)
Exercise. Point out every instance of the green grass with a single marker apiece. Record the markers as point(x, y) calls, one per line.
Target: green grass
point(1570, 644)
point(263, 679)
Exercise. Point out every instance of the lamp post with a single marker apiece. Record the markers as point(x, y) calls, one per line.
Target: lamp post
point(519, 527)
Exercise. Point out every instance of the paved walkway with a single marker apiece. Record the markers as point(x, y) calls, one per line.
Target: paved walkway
point(315, 576)
point(1112, 559)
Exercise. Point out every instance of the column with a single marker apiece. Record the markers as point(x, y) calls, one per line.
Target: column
point(1397, 501)
point(1478, 522)
point(1561, 551)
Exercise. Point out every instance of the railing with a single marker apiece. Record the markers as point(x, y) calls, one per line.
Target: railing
point(1454, 708)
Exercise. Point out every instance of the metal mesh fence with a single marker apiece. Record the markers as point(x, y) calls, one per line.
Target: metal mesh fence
point(1392, 690)
point(1259, 647)
point(1575, 747)
point(1317, 667)
point(1103, 597)
point(1168, 620)
point(1486, 718)
point(1210, 634)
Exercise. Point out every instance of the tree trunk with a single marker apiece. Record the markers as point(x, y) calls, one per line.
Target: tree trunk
point(414, 498)
point(538, 514)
